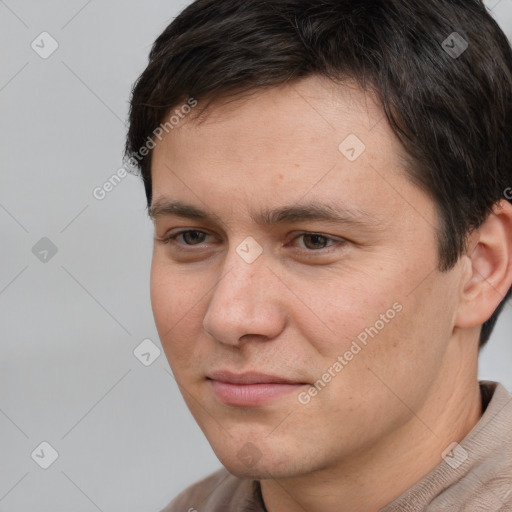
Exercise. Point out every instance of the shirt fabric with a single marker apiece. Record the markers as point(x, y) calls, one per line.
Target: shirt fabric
point(475, 477)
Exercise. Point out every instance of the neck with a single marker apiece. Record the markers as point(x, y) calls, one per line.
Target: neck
point(380, 474)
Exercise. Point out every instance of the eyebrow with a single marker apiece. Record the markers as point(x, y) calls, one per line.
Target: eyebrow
point(310, 211)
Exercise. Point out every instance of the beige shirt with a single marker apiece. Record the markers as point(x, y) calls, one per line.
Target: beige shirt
point(475, 477)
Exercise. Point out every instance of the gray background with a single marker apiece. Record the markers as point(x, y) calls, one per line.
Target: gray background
point(69, 325)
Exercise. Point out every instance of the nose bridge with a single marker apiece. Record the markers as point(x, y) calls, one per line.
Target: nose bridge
point(240, 288)
point(242, 300)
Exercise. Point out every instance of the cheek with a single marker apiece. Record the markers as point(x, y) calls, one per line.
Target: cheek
point(173, 293)
point(163, 297)
point(176, 304)
point(379, 327)
point(345, 308)
point(400, 357)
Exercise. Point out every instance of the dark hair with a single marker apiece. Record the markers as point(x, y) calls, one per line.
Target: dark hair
point(451, 106)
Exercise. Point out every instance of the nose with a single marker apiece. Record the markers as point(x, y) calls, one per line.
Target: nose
point(245, 302)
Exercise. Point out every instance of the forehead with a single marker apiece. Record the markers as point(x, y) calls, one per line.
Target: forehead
point(296, 111)
point(309, 138)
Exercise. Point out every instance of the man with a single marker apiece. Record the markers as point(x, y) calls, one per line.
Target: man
point(330, 187)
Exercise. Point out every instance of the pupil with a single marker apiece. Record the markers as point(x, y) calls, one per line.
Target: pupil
point(192, 236)
point(317, 239)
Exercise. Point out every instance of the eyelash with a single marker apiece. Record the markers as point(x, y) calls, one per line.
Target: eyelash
point(172, 239)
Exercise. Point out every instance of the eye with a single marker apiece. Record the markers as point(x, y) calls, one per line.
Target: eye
point(311, 242)
point(317, 241)
point(189, 237)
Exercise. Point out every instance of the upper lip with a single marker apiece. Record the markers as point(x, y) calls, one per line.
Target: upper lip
point(250, 378)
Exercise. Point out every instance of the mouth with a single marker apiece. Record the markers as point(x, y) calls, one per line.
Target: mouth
point(250, 389)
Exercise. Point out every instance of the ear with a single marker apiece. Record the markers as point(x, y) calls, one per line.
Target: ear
point(489, 275)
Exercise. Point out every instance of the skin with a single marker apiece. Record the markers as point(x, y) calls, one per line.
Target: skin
point(384, 420)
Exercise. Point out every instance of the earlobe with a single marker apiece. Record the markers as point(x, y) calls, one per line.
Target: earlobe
point(489, 276)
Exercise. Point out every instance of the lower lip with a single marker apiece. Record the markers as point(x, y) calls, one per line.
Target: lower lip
point(241, 395)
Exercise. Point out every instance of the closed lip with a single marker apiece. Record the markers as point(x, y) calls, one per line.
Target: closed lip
point(250, 378)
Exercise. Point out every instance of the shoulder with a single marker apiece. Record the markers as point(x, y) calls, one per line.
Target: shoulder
point(218, 492)
point(477, 475)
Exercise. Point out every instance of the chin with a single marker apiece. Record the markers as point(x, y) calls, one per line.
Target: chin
point(251, 462)
point(241, 471)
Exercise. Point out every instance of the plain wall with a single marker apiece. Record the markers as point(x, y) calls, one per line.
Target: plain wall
point(69, 326)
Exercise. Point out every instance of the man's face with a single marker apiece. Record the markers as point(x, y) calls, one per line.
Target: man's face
point(302, 293)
